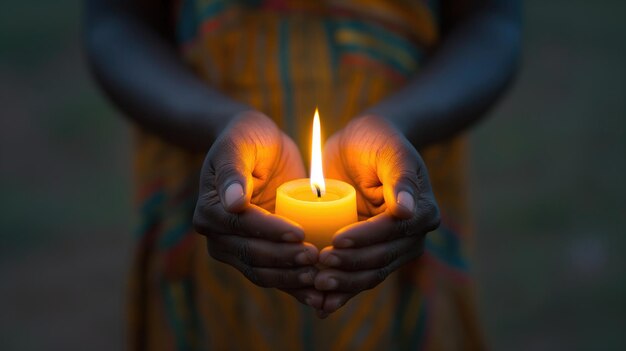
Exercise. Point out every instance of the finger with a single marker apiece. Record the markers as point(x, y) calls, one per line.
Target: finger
point(354, 282)
point(407, 190)
point(233, 179)
point(377, 229)
point(335, 300)
point(210, 218)
point(263, 253)
point(321, 314)
point(399, 170)
point(307, 296)
point(234, 198)
point(226, 174)
point(370, 257)
point(252, 140)
point(290, 278)
point(386, 227)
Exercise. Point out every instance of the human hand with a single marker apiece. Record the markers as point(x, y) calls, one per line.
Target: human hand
point(238, 182)
point(394, 195)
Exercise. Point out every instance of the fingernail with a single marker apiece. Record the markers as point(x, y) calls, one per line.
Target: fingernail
point(314, 301)
point(305, 257)
point(344, 243)
point(233, 193)
point(321, 314)
point(291, 237)
point(330, 284)
point(306, 278)
point(406, 200)
point(330, 260)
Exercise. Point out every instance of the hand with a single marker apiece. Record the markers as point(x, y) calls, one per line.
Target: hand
point(249, 159)
point(393, 193)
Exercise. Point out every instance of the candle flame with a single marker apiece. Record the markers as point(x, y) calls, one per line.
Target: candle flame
point(317, 174)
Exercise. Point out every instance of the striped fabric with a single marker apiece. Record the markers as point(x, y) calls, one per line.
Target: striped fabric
point(285, 58)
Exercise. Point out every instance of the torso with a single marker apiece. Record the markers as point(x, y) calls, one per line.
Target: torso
point(285, 58)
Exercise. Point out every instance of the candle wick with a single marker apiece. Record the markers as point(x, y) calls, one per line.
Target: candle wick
point(319, 191)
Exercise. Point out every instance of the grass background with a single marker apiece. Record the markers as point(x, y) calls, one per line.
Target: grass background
point(547, 183)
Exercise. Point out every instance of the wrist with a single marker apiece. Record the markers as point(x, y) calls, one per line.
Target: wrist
point(219, 117)
point(250, 119)
point(252, 126)
point(372, 124)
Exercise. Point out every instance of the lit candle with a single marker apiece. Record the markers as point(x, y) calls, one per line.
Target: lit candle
point(320, 206)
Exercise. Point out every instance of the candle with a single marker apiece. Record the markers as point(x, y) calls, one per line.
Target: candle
point(321, 206)
point(321, 216)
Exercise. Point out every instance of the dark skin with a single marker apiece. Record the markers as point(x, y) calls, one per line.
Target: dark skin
point(232, 207)
point(135, 61)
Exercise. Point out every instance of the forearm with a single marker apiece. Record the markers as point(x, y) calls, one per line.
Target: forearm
point(470, 70)
point(141, 72)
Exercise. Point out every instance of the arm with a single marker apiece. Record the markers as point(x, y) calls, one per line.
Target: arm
point(141, 72)
point(376, 152)
point(469, 71)
point(139, 69)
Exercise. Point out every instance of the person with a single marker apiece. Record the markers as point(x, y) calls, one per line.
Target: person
point(221, 93)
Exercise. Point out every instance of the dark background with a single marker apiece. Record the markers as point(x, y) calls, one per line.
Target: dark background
point(547, 182)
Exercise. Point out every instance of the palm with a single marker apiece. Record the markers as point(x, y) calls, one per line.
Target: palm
point(356, 165)
point(282, 166)
point(242, 170)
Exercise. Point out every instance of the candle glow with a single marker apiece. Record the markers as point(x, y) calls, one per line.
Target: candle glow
point(317, 173)
point(321, 206)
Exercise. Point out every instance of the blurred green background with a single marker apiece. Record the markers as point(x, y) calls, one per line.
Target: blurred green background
point(547, 187)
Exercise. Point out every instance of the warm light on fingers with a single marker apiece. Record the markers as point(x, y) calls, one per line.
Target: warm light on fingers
point(317, 174)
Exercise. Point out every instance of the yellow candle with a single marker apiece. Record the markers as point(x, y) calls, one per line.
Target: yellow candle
point(320, 206)
point(321, 216)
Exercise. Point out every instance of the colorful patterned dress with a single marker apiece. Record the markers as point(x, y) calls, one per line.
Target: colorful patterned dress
point(285, 58)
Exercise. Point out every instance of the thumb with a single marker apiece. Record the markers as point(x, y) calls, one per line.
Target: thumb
point(400, 178)
point(234, 198)
point(234, 189)
point(400, 198)
point(233, 182)
point(236, 153)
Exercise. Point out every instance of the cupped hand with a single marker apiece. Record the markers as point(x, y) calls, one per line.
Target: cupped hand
point(394, 198)
point(238, 182)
